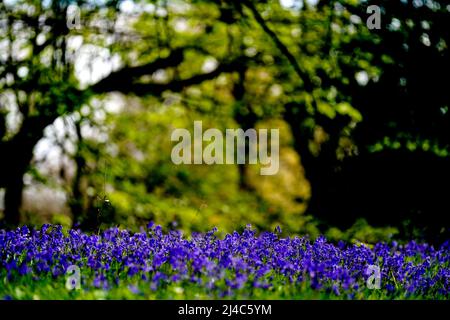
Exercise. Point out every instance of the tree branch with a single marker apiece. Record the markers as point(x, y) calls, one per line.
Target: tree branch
point(281, 46)
point(124, 77)
point(124, 80)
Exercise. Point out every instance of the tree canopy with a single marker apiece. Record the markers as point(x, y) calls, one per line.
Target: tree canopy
point(363, 113)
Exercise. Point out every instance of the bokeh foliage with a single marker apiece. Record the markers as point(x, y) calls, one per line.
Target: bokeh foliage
point(363, 113)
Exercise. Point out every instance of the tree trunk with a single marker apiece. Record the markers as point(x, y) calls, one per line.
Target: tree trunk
point(13, 168)
point(16, 155)
point(13, 199)
point(76, 201)
point(319, 170)
point(246, 120)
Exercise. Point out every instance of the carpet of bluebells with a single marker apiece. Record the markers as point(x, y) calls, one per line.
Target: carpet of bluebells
point(152, 264)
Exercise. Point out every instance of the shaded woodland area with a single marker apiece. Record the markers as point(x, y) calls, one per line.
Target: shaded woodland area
point(363, 114)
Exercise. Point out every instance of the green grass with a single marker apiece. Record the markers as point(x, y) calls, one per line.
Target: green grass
point(49, 288)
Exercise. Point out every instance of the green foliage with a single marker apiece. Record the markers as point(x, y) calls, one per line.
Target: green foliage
point(143, 184)
point(361, 231)
point(230, 64)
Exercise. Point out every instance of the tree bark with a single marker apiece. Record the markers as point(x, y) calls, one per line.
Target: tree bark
point(13, 168)
point(13, 199)
point(76, 201)
point(320, 170)
point(16, 156)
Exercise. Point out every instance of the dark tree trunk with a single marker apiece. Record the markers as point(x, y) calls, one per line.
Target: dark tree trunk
point(76, 201)
point(320, 170)
point(13, 167)
point(245, 118)
point(15, 157)
point(13, 199)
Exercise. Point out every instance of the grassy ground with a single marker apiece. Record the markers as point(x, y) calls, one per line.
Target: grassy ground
point(135, 288)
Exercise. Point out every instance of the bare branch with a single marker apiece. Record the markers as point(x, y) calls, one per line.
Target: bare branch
point(156, 89)
point(281, 46)
point(126, 76)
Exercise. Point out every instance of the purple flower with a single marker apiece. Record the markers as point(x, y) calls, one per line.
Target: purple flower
point(222, 266)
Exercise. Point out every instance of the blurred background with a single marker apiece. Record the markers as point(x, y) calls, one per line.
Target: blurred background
point(90, 92)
